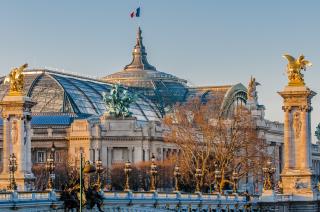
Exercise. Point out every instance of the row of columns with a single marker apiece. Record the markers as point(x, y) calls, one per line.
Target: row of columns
point(135, 154)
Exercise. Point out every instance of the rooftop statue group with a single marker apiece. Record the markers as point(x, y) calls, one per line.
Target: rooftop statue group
point(294, 68)
point(118, 102)
point(16, 80)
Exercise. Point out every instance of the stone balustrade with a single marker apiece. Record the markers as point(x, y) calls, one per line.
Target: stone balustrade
point(127, 201)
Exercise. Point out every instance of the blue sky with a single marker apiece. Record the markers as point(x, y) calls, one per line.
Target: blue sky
point(207, 42)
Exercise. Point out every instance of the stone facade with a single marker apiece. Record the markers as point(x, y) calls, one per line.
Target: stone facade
point(118, 140)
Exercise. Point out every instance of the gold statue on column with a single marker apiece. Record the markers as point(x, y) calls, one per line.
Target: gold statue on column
point(294, 68)
point(16, 80)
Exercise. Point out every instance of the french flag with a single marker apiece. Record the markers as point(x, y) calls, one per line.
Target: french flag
point(135, 13)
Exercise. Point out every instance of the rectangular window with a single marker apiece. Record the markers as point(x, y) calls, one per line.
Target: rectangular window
point(40, 156)
point(59, 156)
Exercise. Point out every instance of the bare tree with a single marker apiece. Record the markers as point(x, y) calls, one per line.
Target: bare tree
point(211, 141)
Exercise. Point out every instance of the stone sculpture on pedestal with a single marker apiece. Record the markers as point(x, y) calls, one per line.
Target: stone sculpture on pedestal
point(297, 173)
point(16, 115)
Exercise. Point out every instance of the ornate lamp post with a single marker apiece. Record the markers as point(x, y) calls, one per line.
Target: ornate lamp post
point(235, 178)
point(87, 169)
point(177, 175)
point(127, 170)
point(198, 176)
point(268, 172)
point(217, 176)
point(153, 172)
point(12, 168)
point(99, 170)
point(50, 166)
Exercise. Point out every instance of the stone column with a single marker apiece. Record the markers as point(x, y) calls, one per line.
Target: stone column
point(130, 156)
point(20, 147)
point(146, 153)
point(104, 156)
point(28, 145)
point(15, 113)
point(286, 139)
point(297, 176)
point(277, 161)
point(109, 157)
point(6, 145)
point(309, 144)
point(303, 157)
point(137, 154)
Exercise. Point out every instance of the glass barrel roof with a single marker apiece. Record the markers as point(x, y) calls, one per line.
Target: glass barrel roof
point(65, 93)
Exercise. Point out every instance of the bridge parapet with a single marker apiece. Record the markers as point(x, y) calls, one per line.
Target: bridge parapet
point(149, 200)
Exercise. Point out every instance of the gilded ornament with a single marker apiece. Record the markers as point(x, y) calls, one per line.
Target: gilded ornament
point(16, 80)
point(294, 68)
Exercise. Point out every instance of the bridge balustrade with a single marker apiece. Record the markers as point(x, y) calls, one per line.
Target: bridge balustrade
point(129, 201)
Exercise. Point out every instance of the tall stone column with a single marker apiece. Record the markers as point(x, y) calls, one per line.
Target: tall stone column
point(6, 144)
point(286, 138)
point(16, 111)
point(28, 144)
point(304, 140)
point(297, 175)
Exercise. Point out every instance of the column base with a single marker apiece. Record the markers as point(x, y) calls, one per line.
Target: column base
point(298, 182)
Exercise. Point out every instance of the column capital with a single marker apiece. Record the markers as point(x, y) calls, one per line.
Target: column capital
point(305, 108)
point(286, 108)
point(5, 116)
point(20, 116)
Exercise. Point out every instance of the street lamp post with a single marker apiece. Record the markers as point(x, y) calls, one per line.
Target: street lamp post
point(198, 176)
point(86, 169)
point(217, 176)
point(268, 172)
point(235, 178)
point(177, 175)
point(153, 173)
point(13, 168)
point(127, 170)
point(50, 166)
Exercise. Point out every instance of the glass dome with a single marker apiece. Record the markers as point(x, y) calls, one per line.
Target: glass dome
point(161, 88)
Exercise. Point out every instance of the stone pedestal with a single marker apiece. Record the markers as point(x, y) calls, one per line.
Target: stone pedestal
point(297, 174)
point(16, 116)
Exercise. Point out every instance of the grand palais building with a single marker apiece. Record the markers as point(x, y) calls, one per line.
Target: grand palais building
point(70, 112)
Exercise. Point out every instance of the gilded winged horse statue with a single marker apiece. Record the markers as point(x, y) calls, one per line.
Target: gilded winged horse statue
point(294, 68)
point(16, 80)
